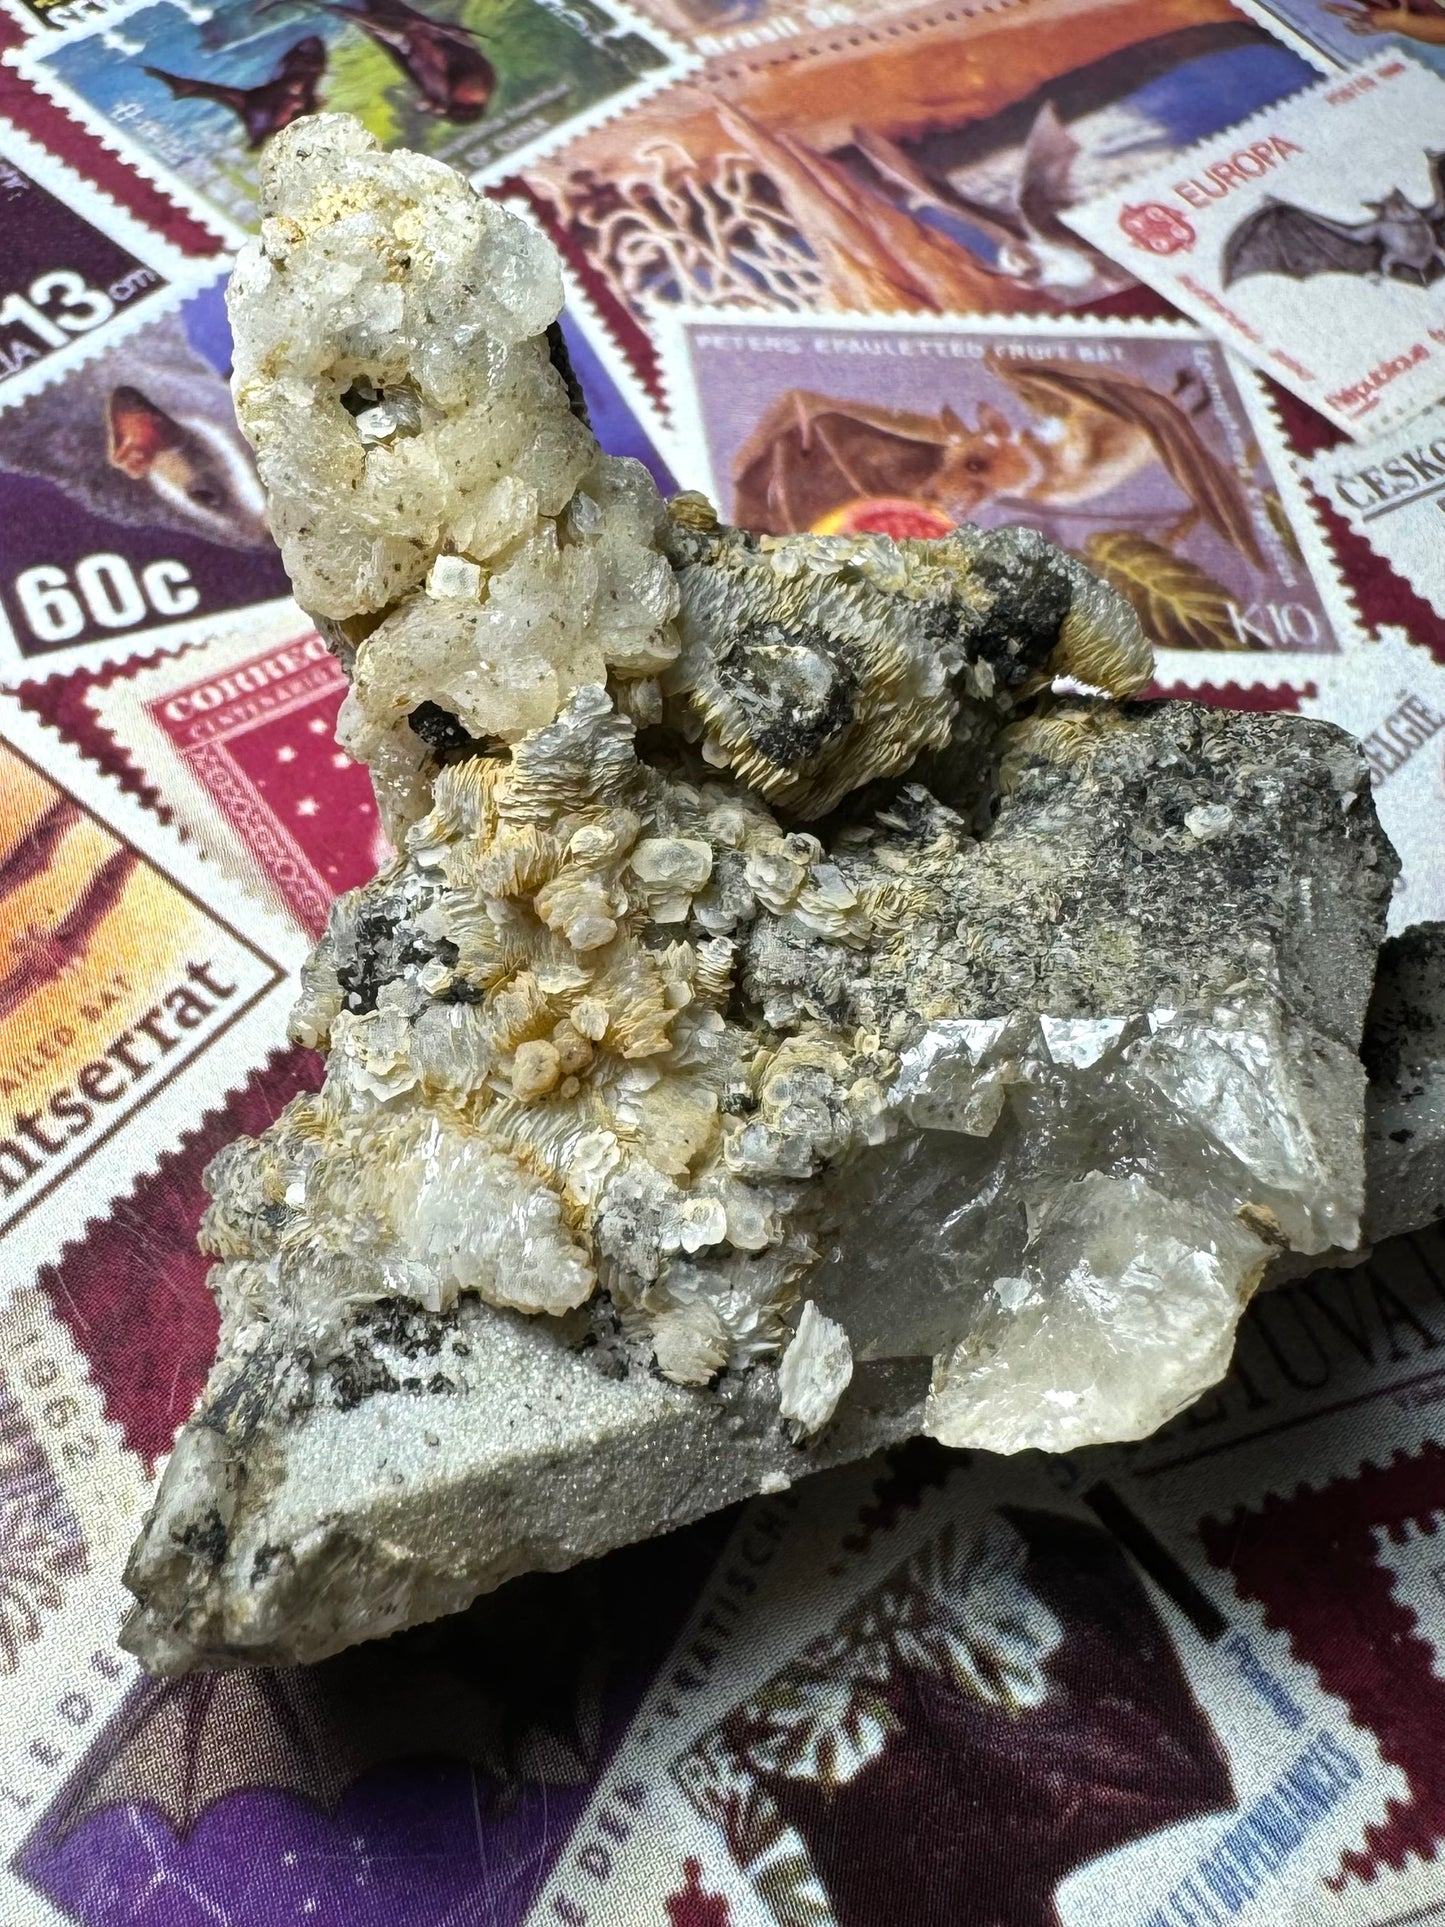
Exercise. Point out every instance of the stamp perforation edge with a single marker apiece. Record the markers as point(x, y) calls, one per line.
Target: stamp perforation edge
point(1264, 669)
point(29, 60)
point(1287, 36)
point(15, 664)
point(122, 706)
point(182, 275)
point(157, 1127)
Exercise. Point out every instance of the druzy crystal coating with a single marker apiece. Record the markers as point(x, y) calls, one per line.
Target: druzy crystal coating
point(806, 986)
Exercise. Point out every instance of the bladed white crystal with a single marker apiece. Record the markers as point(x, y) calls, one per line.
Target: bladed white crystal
point(773, 974)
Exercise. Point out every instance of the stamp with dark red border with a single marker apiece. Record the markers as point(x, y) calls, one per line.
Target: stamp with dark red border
point(236, 735)
point(136, 989)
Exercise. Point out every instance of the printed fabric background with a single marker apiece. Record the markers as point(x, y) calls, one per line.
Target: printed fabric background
point(818, 263)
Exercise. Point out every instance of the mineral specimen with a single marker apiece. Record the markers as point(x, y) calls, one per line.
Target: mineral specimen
point(806, 1006)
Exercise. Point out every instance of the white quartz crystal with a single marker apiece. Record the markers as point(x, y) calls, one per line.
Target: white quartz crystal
point(780, 1000)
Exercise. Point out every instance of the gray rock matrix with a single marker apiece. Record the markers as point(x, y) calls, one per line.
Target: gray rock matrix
point(810, 1003)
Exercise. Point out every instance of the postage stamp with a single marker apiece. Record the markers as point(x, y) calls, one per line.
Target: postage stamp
point(713, 25)
point(914, 159)
point(1311, 238)
point(625, 417)
point(128, 496)
point(1313, 1481)
point(1391, 695)
point(71, 1500)
point(1391, 491)
point(938, 1689)
point(430, 1779)
point(237, 736)
point(1343, 32)
point(135, 990)
point(1142, 446)
point(481, 85)
point(78, 269)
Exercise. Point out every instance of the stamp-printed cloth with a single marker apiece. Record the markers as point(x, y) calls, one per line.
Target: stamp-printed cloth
point(822, 259)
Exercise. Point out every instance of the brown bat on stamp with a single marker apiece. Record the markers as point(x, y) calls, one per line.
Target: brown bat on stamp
point(1093, 429)
point(440, 58)
point(263, 110)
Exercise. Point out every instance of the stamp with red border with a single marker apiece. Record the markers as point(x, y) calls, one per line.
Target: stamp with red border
point(136, 988)
point(970, 1688)
point(1310, 237)
point(236, 737)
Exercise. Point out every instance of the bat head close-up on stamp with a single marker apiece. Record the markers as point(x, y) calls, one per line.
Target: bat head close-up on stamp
point(128, 497)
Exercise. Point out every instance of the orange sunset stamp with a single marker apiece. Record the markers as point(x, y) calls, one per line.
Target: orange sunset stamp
point(134, 992)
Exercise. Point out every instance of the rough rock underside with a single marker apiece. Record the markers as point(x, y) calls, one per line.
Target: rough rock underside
point(810, 1004)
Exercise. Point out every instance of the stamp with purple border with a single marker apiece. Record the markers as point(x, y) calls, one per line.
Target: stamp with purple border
point(1141, 446)
point(128, 497)
point(79, 271)
point(1310, 238)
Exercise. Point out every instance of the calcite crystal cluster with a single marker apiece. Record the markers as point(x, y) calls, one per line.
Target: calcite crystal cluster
point(809, 1003)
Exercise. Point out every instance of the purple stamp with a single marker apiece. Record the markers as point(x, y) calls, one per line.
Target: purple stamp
point(1141, 446)
point(76, 267)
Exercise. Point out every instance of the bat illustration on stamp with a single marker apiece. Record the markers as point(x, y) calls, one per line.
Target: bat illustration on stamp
point(1400, 241)
point(290, 91)
point(127, 496)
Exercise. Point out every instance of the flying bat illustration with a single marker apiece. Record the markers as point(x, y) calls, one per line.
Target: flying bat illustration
point(811, 454)
point(265, 109)
point(1399, 242)
point(521, 1688)
point(440, 58)
point(1030, 241)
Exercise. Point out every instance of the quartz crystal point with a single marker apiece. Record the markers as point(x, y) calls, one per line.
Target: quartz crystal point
point(788, 1023)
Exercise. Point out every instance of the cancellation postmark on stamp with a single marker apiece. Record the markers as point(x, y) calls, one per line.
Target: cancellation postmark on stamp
point(1391, 491)
point(135, 990)
point(913, 159)
point(1141, 446)
point(237, 737)
point(128, 496)
point(973, 1643)
point(1311, 238)
point(198, 92)
point(77, 269)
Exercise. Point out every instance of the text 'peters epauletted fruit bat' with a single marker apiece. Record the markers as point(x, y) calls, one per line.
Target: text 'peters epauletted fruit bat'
point(1399, 241)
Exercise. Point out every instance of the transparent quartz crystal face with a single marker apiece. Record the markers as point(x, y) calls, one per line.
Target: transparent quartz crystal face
point(1102, 1195)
